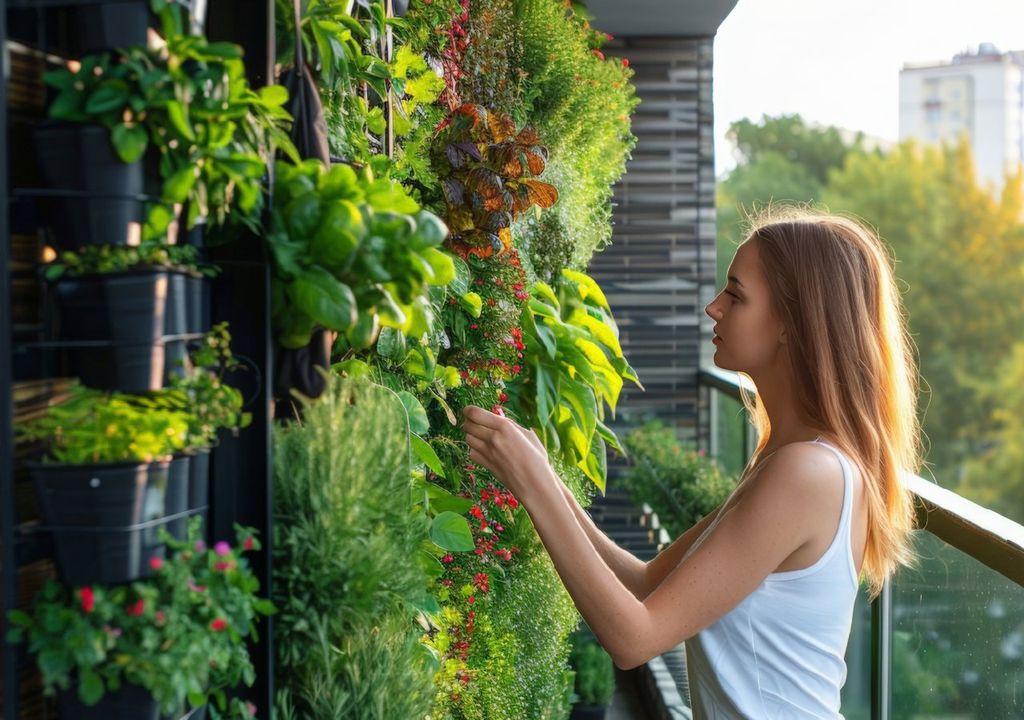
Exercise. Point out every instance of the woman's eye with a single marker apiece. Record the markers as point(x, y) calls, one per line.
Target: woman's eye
point(731, 294)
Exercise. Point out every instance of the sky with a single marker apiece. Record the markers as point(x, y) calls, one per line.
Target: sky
point(837, 62)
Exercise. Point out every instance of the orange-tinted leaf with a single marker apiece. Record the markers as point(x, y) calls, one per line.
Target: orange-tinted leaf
point(530, 192)
point(501, 125)
point(528, 136)
point(536, 159)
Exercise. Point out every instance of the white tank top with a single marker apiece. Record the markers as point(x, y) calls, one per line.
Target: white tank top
point(781, 652)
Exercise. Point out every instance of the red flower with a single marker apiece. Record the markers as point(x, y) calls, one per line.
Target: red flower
point(625, 62)
point(476, 512)
point(502, 397)
point(471, 599)
point(448, 558)
point(598, 53)
point(484, 496)
point(161, 617)
point(137, 609)
point(482, 581)
point(88, 599)
point(496, 409)
point(224, 565)
point(218, 624)
point(155, 563)
point(248, 544)
point(512, 502)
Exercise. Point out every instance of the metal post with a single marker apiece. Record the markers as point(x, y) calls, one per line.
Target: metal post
point(881, 654)
point(8, 571)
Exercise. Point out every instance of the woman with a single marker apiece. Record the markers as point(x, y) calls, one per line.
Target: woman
point(762, 589)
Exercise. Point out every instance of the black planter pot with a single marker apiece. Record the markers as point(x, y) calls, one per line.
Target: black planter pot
point(183, 317)
point(97, 198)
point(588, 712)
point(197, 303)
point(130, 702)
point(103, 518)
point(114, 325)
point(178, 474)
point(199, 479)
point(108, 26)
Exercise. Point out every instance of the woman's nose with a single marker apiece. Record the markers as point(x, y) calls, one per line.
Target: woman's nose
point(712, 311)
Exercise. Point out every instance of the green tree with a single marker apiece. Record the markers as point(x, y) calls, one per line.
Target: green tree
point(959, 254)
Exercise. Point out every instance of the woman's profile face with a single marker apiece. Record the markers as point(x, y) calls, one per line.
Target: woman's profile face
point(748, 335)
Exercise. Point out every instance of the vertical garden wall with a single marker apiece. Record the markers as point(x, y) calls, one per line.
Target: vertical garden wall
point(510, 127)
point(395, 223)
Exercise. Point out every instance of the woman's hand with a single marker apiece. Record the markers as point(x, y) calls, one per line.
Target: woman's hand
point(513, 454)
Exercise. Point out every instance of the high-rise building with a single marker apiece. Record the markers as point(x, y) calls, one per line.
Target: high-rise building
point(978, 93)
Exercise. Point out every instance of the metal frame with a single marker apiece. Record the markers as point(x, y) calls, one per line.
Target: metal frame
point(8, 569)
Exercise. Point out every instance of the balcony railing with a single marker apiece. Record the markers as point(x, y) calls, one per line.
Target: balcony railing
point(945, 640)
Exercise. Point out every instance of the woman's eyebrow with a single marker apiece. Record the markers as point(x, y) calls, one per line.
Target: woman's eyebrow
point(736, 280)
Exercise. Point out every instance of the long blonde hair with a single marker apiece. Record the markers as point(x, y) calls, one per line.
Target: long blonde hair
point(833, 288)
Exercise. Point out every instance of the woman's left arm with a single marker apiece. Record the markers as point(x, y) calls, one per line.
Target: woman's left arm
point(751, 539)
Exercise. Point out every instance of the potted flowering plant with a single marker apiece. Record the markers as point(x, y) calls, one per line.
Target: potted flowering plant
point(102, 483)
point(174, 641)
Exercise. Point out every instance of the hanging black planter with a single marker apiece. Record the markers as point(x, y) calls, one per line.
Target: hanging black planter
point(588, 712)
point(103, 518)
point(96, 199)
point(199, 479)
point(178, 473)
point(130, 702)
point(114, 326)
point(102, 27)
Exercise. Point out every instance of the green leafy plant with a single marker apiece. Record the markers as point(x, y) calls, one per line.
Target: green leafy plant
point(351, 253)
point(595, 673)
point(107, 259)
point(350, 574)
point(191, 100)
point(96, 427)
point(181, 634)
point(680, 483)
point(201, 394)
point(573, 367)
point(488, 174)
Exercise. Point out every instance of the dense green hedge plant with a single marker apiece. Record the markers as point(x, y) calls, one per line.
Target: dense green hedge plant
point(181, 634)
point(595, 672)
point(350, 574)
point(581, 102)
point(351, 253)
point(681, 483)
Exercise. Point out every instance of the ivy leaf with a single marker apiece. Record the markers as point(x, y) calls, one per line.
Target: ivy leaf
point(178, 185)
point(90, 687)
point(427, 456)
point(451, 532)
point(324, 298)
point(418, 422)
point(129, 141)
point(179, 119)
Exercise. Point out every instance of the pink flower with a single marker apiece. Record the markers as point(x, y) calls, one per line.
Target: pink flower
point(249, 707)
point(195, 588)
point(200, 546)
point(155, 563)
point(222, 548)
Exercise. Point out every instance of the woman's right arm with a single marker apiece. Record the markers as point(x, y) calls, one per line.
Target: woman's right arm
point(640, 577)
